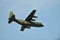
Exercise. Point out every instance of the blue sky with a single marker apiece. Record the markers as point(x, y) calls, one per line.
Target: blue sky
point(48, 12)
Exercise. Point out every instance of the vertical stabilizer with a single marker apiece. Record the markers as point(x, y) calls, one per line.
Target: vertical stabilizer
point(11, 17)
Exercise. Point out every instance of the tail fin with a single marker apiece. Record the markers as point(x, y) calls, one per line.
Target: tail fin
point(11, 17)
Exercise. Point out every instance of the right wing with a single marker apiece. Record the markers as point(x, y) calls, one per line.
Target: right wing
point(23, 28)
point(30, 16)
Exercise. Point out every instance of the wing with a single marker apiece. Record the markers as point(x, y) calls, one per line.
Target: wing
point(29, 18)
point(23, 28)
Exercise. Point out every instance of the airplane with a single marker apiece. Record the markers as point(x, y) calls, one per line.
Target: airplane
point(27, 23)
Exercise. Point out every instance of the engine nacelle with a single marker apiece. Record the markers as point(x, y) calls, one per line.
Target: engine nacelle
point(33, 19)
point(35, 16)
point(28, 27)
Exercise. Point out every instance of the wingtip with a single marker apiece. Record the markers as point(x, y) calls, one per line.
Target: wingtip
point(21, 30)
point(34, 10)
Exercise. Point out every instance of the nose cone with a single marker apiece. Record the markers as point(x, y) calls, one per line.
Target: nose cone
point(42, 25)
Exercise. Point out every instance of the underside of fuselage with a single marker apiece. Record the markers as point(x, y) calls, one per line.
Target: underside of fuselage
point(34, 24)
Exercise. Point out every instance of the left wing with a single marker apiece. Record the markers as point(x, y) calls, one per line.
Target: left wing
point(29, 18)
point(23, 28)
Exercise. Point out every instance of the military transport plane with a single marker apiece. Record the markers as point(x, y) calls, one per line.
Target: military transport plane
point(27, 23)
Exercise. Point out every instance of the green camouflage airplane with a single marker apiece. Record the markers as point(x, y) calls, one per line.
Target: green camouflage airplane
point(27, 23)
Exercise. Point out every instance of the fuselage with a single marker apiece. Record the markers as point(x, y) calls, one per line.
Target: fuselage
point(23, 22)
point(27, 23)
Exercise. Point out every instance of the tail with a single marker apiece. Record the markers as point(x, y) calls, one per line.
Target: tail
point(11, 17)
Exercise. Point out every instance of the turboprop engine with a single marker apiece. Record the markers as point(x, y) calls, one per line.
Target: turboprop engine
point(35, 17)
